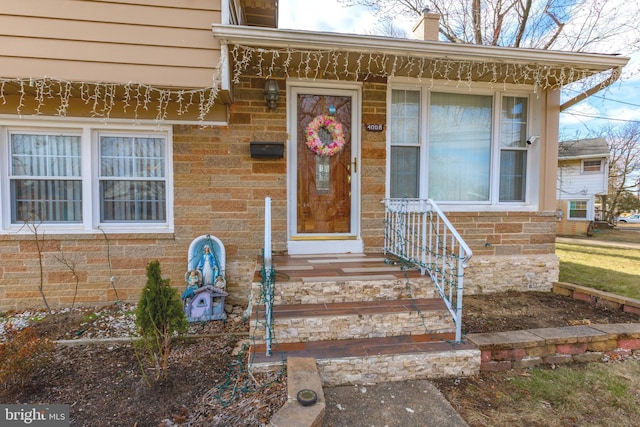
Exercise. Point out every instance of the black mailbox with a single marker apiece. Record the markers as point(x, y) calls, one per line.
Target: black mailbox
point(267, 150)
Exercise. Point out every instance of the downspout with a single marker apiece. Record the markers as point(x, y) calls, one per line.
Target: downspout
point(615, 75)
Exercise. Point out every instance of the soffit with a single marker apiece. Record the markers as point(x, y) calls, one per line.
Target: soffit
point(260, 13)
point(305, 54)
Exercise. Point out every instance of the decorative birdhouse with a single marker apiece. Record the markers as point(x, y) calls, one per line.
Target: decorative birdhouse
point(207, 303)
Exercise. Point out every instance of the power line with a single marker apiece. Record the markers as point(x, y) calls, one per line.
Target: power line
point(607, 99)
point(591, 116)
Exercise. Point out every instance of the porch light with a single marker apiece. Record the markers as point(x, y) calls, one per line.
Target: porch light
point(271, 93)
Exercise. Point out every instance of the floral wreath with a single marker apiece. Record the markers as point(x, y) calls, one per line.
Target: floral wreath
point(331, 125)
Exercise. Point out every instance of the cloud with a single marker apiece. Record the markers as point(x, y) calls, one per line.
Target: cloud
point(325, 15)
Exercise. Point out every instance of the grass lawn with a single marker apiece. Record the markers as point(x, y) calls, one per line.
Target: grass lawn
point(610, 269)
point(592, 394)
point(589, 394)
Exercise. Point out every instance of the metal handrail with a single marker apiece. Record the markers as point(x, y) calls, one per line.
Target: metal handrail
point(420, 234)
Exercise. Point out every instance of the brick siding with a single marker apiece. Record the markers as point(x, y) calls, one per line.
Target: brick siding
point(220, 190)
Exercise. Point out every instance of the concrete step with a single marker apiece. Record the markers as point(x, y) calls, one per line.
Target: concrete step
point(349, 320)
point(374, 360)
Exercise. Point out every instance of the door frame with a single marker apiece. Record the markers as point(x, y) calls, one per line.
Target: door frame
point(300, 243)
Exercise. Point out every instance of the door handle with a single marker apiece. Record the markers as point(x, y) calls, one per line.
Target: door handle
point(355, 165)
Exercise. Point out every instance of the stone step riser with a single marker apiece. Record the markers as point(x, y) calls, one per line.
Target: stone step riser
point(354, 326)
point(328, 292)
point(387, 368)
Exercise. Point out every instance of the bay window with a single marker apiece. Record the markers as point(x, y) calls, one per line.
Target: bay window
point(458, 147)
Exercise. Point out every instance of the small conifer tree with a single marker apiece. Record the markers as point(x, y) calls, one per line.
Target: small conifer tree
point(159, 317)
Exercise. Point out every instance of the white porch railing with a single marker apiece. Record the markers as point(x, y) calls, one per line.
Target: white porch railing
point(418, 233)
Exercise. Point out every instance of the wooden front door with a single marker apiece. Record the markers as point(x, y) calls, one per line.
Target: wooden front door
point(323, 183)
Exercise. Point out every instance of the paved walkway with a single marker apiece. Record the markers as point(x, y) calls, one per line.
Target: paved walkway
point(585, 241)
point(397, 404)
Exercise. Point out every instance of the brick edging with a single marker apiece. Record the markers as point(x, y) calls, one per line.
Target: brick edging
point(524, 349)
point(583, 343)
point(594, 296)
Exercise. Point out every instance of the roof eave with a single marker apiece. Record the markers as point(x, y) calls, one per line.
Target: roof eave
point(585, 156)
point(297, 39)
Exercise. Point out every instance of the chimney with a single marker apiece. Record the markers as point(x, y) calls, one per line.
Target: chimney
point(428, 28)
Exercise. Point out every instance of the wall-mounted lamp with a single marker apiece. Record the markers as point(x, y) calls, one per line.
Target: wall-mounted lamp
point(271, 93)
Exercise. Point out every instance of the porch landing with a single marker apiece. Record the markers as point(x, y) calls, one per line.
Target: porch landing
point(345, 267)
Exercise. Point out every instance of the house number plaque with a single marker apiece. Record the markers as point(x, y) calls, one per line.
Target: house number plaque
point(374, 127)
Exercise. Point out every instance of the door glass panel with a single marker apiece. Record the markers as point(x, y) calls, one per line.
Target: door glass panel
point(323, 173)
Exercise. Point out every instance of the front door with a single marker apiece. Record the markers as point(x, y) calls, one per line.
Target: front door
point(323, 218)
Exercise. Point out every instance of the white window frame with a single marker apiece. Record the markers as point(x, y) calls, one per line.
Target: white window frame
point(89, 132)
point(587, 210)
point(12, 175)
point(586, 172)
point(425, 88)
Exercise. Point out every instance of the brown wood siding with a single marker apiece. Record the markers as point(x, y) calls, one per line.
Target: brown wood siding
point(156, 42)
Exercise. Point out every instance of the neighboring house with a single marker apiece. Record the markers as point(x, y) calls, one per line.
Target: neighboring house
point(583, 176)
point(128, 129)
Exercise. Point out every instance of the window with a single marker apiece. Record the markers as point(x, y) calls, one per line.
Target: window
point(591, 166)
point(459, 148)
point(405, 143)
point(45, 178)
point(513, 149)
point(578, 209)
point(132, 179)
point(78, 178)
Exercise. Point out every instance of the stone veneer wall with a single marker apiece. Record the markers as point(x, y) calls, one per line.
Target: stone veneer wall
point(487, 274)
point(220, 190)
point(511, 250)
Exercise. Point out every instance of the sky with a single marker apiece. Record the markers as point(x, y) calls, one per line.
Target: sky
point(324, 15)
point(620, 102)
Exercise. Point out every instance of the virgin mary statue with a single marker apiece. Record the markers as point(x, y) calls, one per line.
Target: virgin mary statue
point(208, 267)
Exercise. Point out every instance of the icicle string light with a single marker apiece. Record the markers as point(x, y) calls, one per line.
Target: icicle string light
point(102, 98)
point(345, 65)
point(142, 100)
